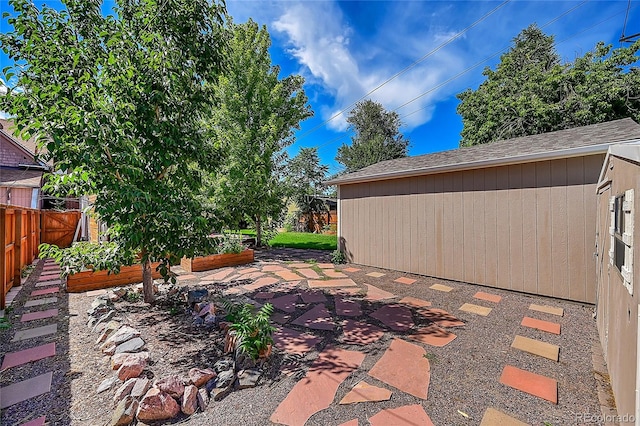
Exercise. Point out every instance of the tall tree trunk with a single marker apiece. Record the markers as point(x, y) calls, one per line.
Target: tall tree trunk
point(147, 281)
point(258, 232)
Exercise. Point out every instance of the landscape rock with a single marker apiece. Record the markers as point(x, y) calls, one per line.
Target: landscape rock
point(106, 330)
point(118, 359)
point(107, 384)
point(120, 292)
point(157, 405)
point(98, 307)
point(197, 295)
point(110, 349)
point(223, 364)
point(104, 319)
point(140, 388)
point(210, 319)
point(123, 334)
point(190, 400)
point(248, 378)
point(133, 345)
point(125, 412)
point(171, 385)
point(203, 399)
point(225, 378)
point(131, 368)
point(113, 297)
point(123, 390)
point(198, 321)
point(200, 376)
point(218, 393)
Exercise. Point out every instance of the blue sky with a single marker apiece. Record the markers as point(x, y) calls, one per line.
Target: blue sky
point(345, 49)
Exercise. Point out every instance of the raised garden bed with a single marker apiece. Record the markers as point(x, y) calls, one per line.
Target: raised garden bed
point(214, 261)
point(95, 280)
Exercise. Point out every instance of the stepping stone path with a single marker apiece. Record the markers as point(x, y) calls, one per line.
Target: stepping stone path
point(351, 270)
point(313, 297)
point(549, 327)
point(345, 282)
point(475, 309)
point(261, 282)
point(433, 335)
point(404, 280)
point(288, 275)
point(31, 333)
point(405, 367)
point(536, 347)
point(441, 287)
point(32, 316)
point(44, 291)
point(294, 342)
point(309, 273)
point(334, 274)
point(317, 389)
point(396, 317)
point(360, 333)
point(547, 309)
point(494, 417)
point(376, 274)
point(347, 308)
point(440, 317)
point(375, 294)
point(531, 383)
point(488, 297)
point(28, 355)
point(364, 392)
point(409, 415)
point(415, 302)
point(317, 318)
point(26, 389)
point(286, 303)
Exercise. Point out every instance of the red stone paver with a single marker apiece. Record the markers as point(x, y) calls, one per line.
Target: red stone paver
point(232, 290)
point(294, 342)
point(261, 282)
point(220, 275)
point(186, 277)
point(286, 303)
point(26, 389)
point(351, 270)
point(349, 291)
point(245, 271)
point(317, 389)
point(280, 317)
point(317, 318)
point(347, 308)
point(39, 315)
point(230, 278)
point(364, 392)
point(396, 317)
point(313, 296)
point(49, 277)
point(326, 265)
point(361, 333)
point(404, 280)
point(252, 275)
point(44, 291)
point(353, 422)
point(376, 274)
point(28, 355)
point(440, 317)
point(409, 415)
point(433, 335)
point(36, 422)
point(549, 327)
point(299, 265)
point(308, 273)
point(494, 417)
point(415, 302)
point(344, 282)
point(405, 367)
point(488, 297)
point(48, 283)
point(531, 383)
point(273, 268)
point(288, 275)
point(334, 274)
point(264, 295)
point(288, 286)
point(375, 294)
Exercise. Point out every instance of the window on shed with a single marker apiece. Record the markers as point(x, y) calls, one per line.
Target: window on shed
point(621, 251)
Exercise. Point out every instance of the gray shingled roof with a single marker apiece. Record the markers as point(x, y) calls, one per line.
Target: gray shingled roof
point(504, 151)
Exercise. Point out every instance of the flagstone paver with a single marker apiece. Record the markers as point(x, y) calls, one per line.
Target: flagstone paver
point(475, 309)
point(44, 291)
point(48, 283)
point(396, 317)
point(360, 333)
point(488, 297)
point(353, 422)
point(409, 415)
point(351, 270)
point(28, 355)
point(531, 383)
point(405, 367)
point(261, 282)
point(349, 291)
point(35, 332)
point(252, 275)
point(364, 392)
point(376, 274)
point(299, 265)
point(441, 287)
point(333, 274)
point(39, 302)
point(440, 317)
point(263, 295)
point(317, 318)
point(493, 417)
point(32, 316)
point(433, 335)
point(294, 342)
point(344, 282)
point(26, 389)
point(547, 309)
point(404, 280)
point(49, 276)
point(313, 296)
point(347, 308)
point(375, 294)
point(286, 303)
point(549, 327)
point(280, 317)
point(220, 275)
point(273, 268)
point(415, 302)
point(326, 265)
point(317, 389)
point(186, 277)
point(247, 270)
point(536, 347)
point(288, 275)
point(309, 273)
point(288, 285)
point(40, 421)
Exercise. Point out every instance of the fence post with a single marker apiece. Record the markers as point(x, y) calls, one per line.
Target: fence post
point(17, 250)
point(3, 254)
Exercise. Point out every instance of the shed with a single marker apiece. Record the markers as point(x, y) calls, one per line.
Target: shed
point(618, 270)
point(517, 214)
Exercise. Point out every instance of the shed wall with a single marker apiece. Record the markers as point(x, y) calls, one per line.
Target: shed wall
point(525, 227)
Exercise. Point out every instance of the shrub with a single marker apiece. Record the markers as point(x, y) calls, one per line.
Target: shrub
point(85, 255)
point(338, 257)
point(253, 330)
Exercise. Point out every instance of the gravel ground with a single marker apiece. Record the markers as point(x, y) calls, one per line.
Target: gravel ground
point(464, 374)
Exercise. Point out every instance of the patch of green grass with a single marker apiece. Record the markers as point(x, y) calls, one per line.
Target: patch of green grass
point(302, 240)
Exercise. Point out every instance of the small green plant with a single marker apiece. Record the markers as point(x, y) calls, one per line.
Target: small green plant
point(26, 271)
point(431, 357)
point(84, 255)
point(253, 329)
point(4, 323)
point(338, 256)
point(132, 296)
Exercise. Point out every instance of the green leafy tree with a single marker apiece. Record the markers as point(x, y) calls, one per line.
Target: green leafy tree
point(377, 137)
point(306, 175)
point(257, 116)
point(120, 100)
point(531, 91)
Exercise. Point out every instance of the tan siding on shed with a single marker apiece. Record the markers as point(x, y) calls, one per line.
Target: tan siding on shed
point(527, 227)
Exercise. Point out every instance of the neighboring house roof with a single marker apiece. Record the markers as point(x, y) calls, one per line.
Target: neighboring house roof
point(578, 141)
point(30, 147)
point(20, 178)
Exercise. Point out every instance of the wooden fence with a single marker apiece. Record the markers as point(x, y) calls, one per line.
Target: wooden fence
point(20, 237)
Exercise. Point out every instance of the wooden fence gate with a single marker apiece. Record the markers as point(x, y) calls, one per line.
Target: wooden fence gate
point(59, 227)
